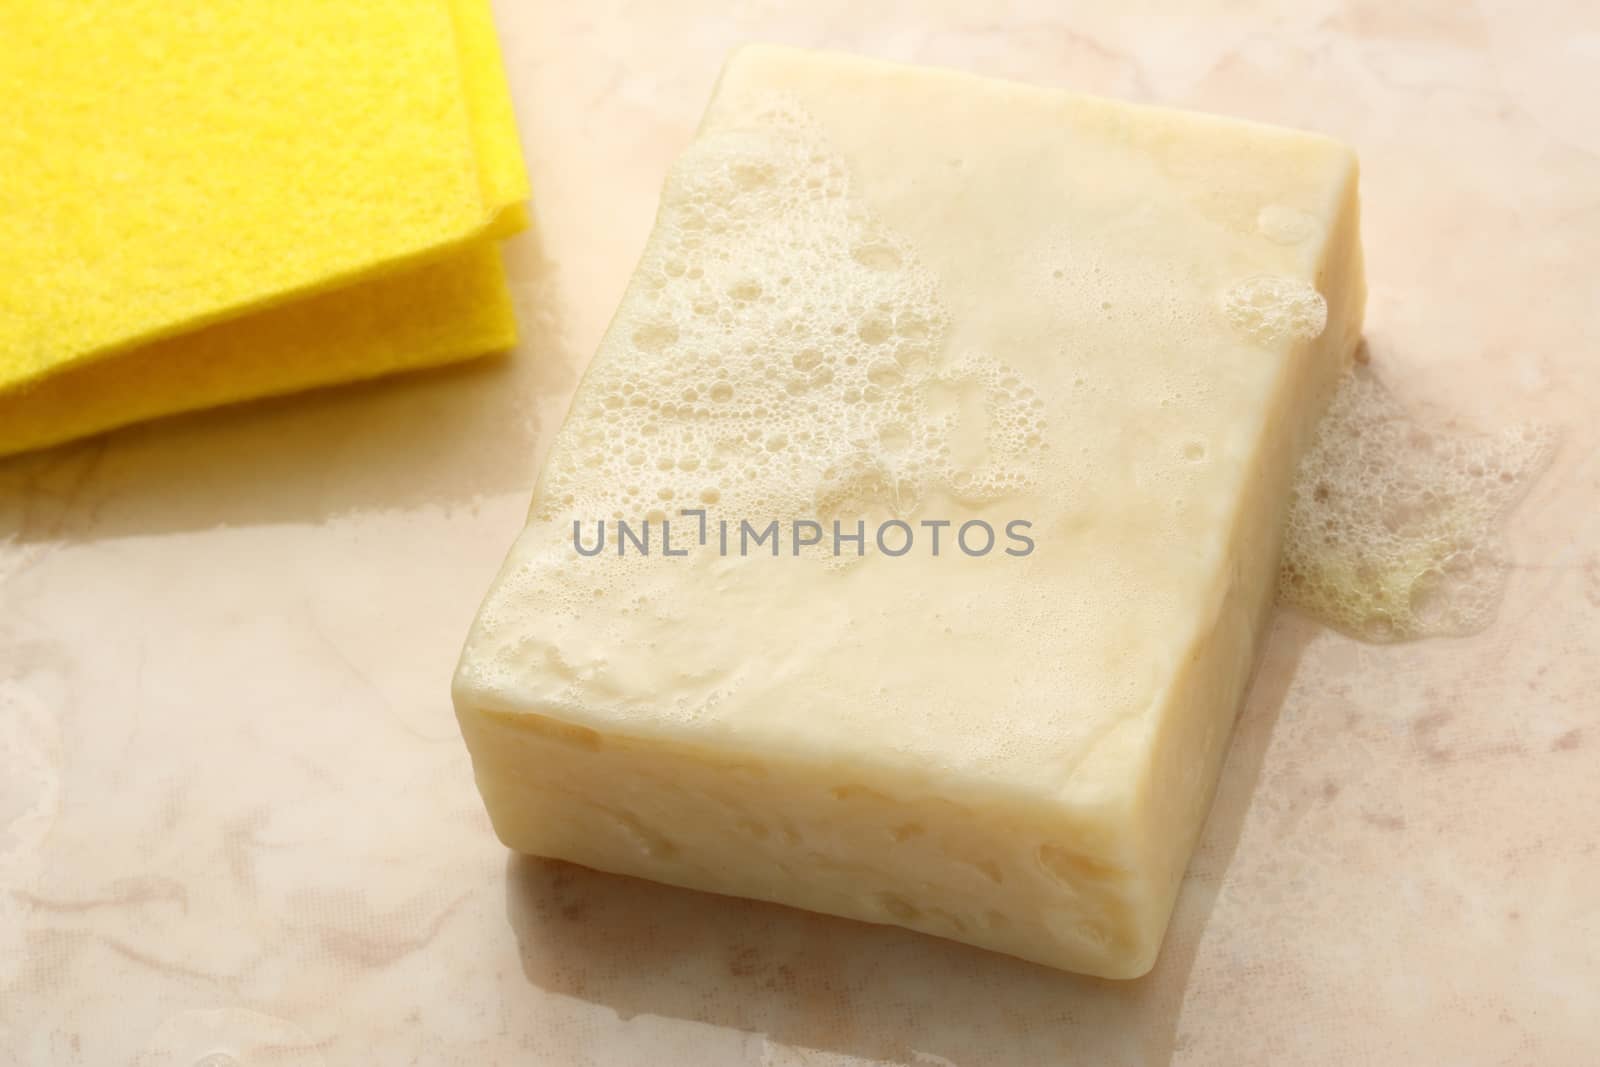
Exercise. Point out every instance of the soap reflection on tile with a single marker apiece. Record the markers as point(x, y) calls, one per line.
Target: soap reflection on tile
point(794, 979)
point(805, 986)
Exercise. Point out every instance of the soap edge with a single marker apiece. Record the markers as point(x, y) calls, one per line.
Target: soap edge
point(753, 51)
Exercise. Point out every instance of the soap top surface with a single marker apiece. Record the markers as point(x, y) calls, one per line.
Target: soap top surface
point(878, 292)
point(168, 166)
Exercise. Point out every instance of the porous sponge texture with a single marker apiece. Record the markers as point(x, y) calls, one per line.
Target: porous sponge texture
point(440, 312)
point(169, 167)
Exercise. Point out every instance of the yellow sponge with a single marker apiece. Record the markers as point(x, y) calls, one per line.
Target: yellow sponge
point(454, 309)
point(170, 167)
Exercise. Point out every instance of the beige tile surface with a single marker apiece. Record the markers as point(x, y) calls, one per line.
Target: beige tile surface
point(237, 822)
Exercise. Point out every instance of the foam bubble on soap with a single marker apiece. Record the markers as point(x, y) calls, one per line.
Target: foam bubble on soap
point(1270, 309)
point(1394, 525)
point(786, 355)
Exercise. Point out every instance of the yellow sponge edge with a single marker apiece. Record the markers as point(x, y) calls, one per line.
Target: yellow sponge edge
point(502, 173)
point(171, 168)
point(438, 313)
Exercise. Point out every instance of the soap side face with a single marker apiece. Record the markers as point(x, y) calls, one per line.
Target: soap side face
point(882, 292)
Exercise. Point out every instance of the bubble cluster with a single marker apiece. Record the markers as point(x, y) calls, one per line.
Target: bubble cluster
point(1270, 309)
point(1394, 523)
point(782, 352)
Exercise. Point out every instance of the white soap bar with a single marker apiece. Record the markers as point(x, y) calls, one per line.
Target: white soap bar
point(883, 295)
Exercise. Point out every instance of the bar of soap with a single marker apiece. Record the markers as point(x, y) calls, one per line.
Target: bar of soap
point(169, 169)
point(879, 294)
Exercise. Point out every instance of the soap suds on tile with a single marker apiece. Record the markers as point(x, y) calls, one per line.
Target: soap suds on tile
point(1395, 522)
